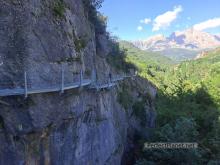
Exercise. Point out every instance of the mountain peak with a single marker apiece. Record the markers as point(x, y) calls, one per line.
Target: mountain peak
point(217, 36)
point(187, 39)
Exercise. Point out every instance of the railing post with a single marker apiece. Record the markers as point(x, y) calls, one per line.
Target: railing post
point(62, 78)
point(97, 87)
point(93, 77)
point(25, 85)
point(109, 82)
point(81, 78)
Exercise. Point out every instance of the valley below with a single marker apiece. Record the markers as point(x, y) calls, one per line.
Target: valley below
point(187, 105)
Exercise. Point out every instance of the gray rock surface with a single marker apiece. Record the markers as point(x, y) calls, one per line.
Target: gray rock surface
point(78, 127)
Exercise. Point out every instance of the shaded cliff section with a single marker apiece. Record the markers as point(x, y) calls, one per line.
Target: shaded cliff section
point(80, 126)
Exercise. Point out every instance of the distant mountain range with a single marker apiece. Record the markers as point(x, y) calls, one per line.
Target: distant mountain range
point(189, 39)
point(180, 46)
point(149, 63)
point(217, 37)
point(144, 57)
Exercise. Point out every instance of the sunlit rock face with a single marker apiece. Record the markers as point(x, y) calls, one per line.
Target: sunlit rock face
point(81, 126)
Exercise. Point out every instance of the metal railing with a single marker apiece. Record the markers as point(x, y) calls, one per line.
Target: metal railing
point(26, 89)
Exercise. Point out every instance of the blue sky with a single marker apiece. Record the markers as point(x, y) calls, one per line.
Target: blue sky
point(140, 19)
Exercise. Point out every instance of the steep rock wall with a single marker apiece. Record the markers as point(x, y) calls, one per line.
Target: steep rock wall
point(80, 126)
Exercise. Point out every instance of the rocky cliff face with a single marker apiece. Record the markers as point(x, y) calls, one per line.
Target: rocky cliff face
point(80, 126)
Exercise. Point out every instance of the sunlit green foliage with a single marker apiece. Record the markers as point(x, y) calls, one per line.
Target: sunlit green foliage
point(190, 90)
point(118, 57)
point(178, 54)
point(150, 65)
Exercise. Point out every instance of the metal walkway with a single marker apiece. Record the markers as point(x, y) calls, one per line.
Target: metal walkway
point(91, 83)
point(20, 91)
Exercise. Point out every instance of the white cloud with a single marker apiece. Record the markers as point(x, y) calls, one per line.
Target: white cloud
point(164, 20)
point(139, 28)
point(211, 23)
point(145, 21)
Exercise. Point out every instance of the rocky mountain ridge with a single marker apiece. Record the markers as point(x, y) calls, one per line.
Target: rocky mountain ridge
point(190, 39)
point(217, 36)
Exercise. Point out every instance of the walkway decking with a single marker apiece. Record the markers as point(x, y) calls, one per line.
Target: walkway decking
point(110, 83)
point(92, 84)
point(20, 91)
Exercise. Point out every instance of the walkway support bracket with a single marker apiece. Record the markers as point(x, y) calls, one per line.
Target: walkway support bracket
point(81, 78)
point(62, 78)
point(25, 85)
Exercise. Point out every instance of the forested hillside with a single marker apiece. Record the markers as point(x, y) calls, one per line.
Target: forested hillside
point(203, 72)
point(151, 65)
point(188, 107)
point(178, 54)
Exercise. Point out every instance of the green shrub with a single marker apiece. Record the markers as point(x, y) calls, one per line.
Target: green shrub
point(124, 97)
point(140, 112)
point(117, 57)
point(80, 44)
point(182, 130)
point(59, 8)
